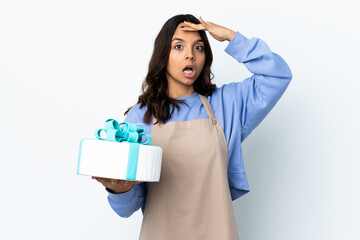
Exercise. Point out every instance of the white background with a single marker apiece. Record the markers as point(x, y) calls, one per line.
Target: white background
point(67, 66)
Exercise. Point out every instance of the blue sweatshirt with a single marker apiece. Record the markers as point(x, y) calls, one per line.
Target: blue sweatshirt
point(239, 107)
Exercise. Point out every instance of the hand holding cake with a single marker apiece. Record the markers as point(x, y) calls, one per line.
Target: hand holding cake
point(121, 158)
point(115, 185)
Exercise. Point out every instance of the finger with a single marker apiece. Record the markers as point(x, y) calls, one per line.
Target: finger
point(189, 29)
point(207, 25)
point(202, 22)
point(122, 182)
point(194, 26)
point(96, 178)
point(104, 182)
point(115, 181)
point(99, 178)
point(135, 182)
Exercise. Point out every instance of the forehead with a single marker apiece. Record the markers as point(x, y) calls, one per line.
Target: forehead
point(186, 35)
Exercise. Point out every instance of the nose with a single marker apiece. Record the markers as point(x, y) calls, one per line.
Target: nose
point(189, 55)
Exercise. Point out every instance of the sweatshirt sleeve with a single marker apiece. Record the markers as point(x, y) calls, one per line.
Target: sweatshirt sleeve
point(125, 204)
point(257, 95)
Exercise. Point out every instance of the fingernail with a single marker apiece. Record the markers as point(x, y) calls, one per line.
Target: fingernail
point(182, 26)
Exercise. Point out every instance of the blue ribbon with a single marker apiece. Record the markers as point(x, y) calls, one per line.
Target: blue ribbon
point(129, 132)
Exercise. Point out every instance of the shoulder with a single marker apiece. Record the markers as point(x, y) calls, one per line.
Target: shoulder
point(226, 101)
point(226, 93)
point(136, 114)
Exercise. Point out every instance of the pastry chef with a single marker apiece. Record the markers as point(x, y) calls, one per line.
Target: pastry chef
point(200, 128)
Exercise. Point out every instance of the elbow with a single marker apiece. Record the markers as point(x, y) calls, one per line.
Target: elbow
point(288, 74)
point(285, 80)
point(121, 209)
point(125, 215)
point(284, 72)
point(288, 80)
point(124, 212)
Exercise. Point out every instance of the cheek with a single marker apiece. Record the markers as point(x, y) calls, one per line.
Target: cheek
point(202, 63)
point(169, 63)
point(173, 62)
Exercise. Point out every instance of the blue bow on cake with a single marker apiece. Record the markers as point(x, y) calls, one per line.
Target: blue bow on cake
point(124, 131)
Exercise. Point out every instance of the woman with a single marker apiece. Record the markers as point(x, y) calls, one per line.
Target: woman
point(200, 128)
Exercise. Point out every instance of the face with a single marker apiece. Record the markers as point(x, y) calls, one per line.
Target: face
point(186, 58)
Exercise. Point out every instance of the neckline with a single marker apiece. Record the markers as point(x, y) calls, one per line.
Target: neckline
point(205, 103)
point(189, 98)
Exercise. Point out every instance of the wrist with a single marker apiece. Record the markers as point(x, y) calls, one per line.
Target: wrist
point(231, 35)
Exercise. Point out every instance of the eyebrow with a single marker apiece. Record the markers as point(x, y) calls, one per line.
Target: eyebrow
point(179, 39)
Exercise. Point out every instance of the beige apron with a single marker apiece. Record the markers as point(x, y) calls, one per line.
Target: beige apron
point(192, 199)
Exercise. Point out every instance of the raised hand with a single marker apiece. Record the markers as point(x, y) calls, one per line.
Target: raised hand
point(216, 31)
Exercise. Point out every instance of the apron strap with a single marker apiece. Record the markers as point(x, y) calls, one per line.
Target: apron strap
point(207, 106)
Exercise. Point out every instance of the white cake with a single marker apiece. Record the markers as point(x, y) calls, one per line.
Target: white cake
point(111, 160)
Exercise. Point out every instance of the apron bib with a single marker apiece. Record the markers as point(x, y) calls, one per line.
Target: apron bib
point(192, 199)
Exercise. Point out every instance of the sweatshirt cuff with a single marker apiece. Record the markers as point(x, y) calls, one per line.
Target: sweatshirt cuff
point(122, 197)
point(238, 46)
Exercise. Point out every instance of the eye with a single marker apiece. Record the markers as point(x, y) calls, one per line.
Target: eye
point(178, 46)
point(199, 47)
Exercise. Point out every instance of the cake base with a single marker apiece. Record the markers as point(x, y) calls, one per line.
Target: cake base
point(119, 160)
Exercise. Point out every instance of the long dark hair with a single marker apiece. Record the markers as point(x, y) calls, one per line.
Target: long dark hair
point(154, 87)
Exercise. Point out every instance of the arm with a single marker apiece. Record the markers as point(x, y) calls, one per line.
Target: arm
point(125, 204)
point(257, 95)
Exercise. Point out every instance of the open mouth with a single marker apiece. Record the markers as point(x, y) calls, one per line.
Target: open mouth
point(188, 69)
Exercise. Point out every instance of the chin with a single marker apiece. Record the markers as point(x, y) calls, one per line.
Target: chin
point(188, 81)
